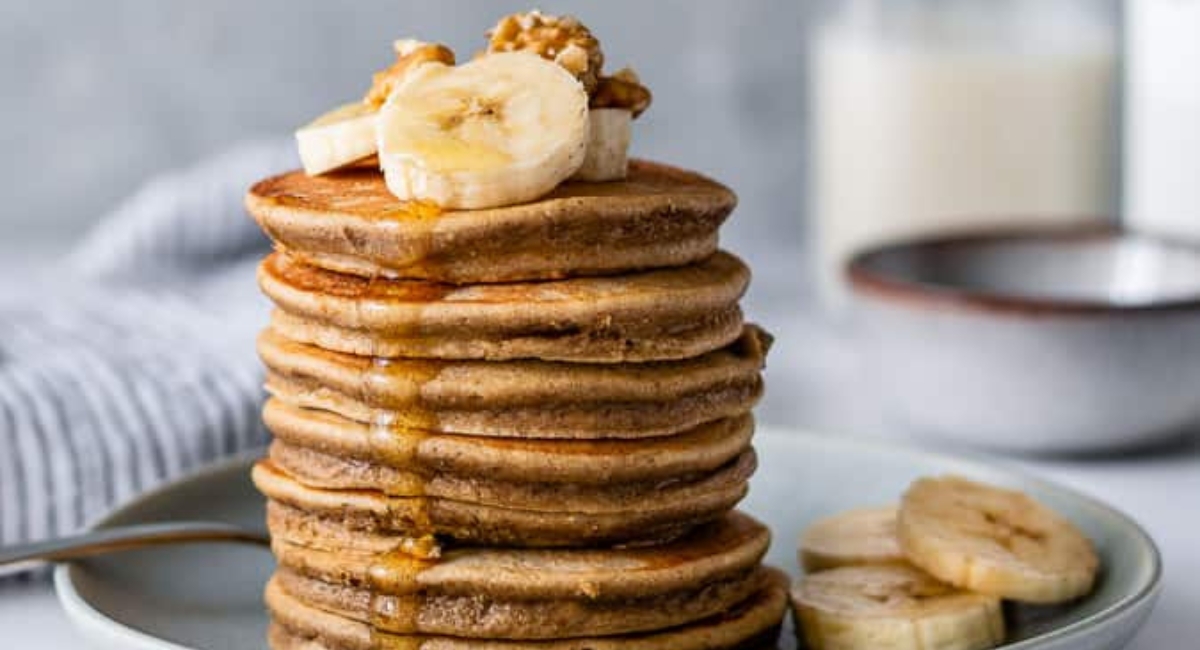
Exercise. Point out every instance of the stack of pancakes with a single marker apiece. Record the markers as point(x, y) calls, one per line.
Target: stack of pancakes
point(522, 427)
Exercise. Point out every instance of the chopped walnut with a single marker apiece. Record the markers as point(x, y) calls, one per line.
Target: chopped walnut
point(563, 40)
point(622, 90)
point(409, 53)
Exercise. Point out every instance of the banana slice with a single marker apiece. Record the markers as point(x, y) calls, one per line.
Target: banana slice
point(609, 133)
point(994, 541)
point(893, 607)
point(503, 129)
point(340, 137)
point(853, 538)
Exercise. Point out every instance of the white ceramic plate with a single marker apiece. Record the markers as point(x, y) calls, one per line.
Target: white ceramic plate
point(208, 596)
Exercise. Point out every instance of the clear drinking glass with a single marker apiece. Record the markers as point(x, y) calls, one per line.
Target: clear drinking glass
point(1162, 118)
point(942, 116)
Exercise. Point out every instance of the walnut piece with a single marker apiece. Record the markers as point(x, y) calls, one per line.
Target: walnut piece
point(409, 53)
point(563, 40)
point(622, 90)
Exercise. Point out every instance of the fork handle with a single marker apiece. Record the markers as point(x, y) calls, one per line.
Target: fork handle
point(122, 538)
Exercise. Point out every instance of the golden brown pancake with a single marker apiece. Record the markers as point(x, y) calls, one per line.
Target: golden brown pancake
point(751, 625)
point(729, 546)
point(527, 399)
point(486, 593)
point(588, 462)
point(348, 221)
point(655, 315)
point(502, 513)
point(323, 471)
point(479, 617)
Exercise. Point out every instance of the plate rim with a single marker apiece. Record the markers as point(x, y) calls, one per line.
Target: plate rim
point(83, 614)
point(92, 621)
point(1143, 596)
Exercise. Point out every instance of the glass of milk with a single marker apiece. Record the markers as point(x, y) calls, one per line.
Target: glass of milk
point(1162, 125)
point(942, 116)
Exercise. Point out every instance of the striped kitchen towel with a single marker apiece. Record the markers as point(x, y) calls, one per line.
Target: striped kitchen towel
point(133, 360)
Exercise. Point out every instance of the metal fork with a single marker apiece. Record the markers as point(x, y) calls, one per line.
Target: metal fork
point(15, 559)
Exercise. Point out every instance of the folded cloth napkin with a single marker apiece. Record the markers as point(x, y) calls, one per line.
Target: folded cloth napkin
point(133, 360)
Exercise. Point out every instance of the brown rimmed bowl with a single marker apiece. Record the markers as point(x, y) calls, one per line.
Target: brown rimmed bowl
point(1069, 341)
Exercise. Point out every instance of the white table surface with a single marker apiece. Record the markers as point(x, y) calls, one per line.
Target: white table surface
point(809, 380)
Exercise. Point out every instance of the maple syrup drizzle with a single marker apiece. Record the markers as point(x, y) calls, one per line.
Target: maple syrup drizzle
point(400, 386)
point(399, 448)
point(394, 580)
point(396, 432)
point(398, 429)
point(383, 641)
point(399, 425)
point(418, 221)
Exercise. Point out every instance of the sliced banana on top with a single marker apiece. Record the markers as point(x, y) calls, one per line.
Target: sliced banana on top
point(609, 133)
point(347, 134)
point(340, 137)
point(994, 541)
point(893, 607)
point(503, 129)
point(852, 538)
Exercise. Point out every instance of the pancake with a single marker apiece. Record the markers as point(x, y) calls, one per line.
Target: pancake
point(348, 221)
point(487, 593)
point(589, 462)
point(482, 618)
point(751, 625)
point(655, 315)
point(731, 545)
point(526, 399)
point(503, 514)
point(318, 470)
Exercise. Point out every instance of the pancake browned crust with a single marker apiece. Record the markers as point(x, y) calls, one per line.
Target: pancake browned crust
point(587, 462)
point(530, 399)
point(348, 221)
point(751, 625)
point(482, 618)
point(488, 593)
point(318, 470)
point(656, 315)
point(729, 546)
point(557, 518)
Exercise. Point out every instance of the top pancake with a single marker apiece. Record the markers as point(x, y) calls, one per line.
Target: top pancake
point(347, 221)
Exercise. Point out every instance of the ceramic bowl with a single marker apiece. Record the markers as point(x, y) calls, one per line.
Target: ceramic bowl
point(1082, 340)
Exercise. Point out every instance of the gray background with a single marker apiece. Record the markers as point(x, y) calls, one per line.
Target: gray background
point(97, 96)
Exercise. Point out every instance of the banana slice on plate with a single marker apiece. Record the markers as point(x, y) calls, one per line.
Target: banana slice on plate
point(994, 541)
point(852, 538)
point(609, 133)
point(340, 137)
point(893, 607)
point(503, 129)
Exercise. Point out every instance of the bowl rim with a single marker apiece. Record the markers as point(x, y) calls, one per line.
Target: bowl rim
point(863, 278)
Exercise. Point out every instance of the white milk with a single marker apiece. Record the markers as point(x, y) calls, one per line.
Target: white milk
point(948, 126)
point(1162, 95)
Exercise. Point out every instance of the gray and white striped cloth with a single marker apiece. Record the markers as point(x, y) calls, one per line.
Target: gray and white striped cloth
point(133, 360)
